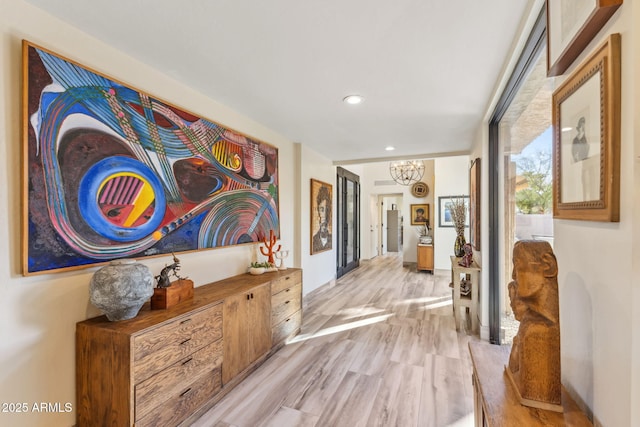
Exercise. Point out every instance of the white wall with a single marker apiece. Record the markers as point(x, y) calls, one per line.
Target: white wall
point(452, 179)
point(596, 280)
point(38, 313)
point(320, 268)
point(634, 298)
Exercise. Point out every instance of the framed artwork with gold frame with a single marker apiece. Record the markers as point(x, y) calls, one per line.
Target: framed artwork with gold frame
point(586, 138)
point(111, 172)
point(420, 214)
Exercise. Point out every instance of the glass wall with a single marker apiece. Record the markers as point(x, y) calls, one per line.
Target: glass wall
point(526, 141)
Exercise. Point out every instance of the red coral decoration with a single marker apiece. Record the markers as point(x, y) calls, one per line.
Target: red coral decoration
point(267, 250)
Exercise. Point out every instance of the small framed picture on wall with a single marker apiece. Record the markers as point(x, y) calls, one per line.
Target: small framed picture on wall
point(420, 214)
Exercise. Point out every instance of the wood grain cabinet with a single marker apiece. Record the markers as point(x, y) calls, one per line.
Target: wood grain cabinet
point(166, 367)
point(286, 306)
point(247, 329)
point(153, 370)
point(496, 403)
point(425, 257)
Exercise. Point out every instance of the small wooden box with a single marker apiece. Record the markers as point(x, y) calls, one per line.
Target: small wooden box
point(180, 290)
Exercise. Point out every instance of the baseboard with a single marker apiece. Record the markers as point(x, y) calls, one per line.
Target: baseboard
point(484, 333)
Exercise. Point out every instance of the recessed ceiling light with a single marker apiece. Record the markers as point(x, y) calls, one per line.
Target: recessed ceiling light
point(567, 129)
point(389, 148)
point(353, 99)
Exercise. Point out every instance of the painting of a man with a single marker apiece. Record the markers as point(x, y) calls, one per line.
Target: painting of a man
point(420, 214)
point(321, 208)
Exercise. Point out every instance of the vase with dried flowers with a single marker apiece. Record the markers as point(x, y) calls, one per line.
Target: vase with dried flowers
point(458, 217)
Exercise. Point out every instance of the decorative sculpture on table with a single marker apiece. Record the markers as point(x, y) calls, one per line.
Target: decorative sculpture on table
point(162, 279)
point(121, 288)
point(534, 363)
point(467, 258)
point(168, 293)
point(280, 256)
point(267, 249)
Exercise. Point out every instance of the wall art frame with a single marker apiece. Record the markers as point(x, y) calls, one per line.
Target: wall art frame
point(474, 204)
point(321, 221)
point(444, 210)
point(420, 214)
point(586, 138)
point(571, 25)
point(112, 172)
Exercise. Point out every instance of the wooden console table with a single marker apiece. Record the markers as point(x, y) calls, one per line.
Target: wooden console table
point(496, 403)
point(469, 301)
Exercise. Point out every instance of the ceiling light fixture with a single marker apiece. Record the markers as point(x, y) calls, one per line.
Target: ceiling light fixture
point(353, 99)
point(406, 172)
point(390, 148)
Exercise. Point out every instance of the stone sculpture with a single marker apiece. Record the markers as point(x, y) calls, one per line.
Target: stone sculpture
point(121, 288)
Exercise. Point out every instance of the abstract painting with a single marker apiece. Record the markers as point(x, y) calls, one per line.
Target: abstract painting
point(111, 172)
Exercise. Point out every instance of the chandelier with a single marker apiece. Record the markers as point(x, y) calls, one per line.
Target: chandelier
point(406, 172)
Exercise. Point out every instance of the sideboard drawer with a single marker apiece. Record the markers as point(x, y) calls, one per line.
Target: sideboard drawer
point(184, 402)
point(174, 341)
point(285, 328)
point(291, 279)
point(285, 303)
point(155, 390)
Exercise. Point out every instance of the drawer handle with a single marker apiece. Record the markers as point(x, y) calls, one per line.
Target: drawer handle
point(287, 320)
point(287, 302)
point(185, 341)
point(287, 290)
point(184, 393)
point(248, 297)
point(185, 321)
point(187, 361)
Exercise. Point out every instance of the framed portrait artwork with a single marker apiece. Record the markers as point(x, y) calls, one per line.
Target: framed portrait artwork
point(420, 214)
point(571, 25)
point(444, 209)
point(321, 217)
point(586, 138)
point(111, 172)
point(474, 204)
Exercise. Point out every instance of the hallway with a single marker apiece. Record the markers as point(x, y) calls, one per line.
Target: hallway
point(378, 349)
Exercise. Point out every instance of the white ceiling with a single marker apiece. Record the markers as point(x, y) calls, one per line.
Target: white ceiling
point(425, 67)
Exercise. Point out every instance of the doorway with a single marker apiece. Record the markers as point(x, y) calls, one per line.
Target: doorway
point(389, 220)
point(348, 221)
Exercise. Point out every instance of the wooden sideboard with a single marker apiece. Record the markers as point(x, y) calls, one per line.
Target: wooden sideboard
point(425, 257)
point(496, 403)
point(167, 366)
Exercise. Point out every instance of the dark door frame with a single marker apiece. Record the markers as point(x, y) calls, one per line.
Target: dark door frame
point(343, 265)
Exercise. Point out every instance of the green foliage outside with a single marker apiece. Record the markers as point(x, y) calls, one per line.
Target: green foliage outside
point(536, 198)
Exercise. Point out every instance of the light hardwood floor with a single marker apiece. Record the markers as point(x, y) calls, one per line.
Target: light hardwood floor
point(378, 349)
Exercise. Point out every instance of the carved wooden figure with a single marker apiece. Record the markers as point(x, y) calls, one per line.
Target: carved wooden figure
point(534, 363)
